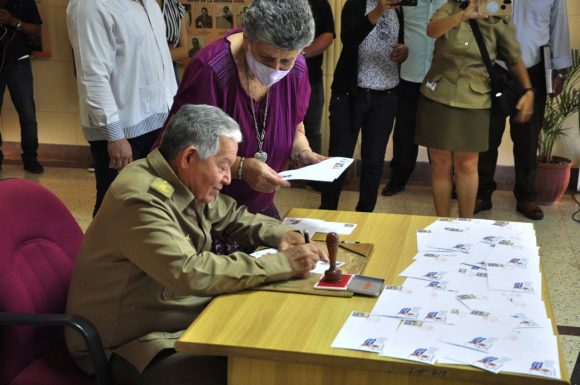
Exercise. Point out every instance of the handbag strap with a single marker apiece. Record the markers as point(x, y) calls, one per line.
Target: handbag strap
point(481, 45)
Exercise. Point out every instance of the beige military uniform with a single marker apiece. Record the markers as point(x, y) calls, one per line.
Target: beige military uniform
point(453, 110)
point(144, 270)
point(457, 76)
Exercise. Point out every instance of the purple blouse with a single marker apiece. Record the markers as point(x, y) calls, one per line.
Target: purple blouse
point(212, 78)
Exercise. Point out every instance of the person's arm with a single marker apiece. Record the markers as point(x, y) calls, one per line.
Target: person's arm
point(302, 154)
point(180, 51)
point(525, 105)
point(356, 25)
point(560, 45)
point(95, 48)
point(318, 45)
point(152, 240)
point(325, 28)
point(28, 29)
point(440, 26)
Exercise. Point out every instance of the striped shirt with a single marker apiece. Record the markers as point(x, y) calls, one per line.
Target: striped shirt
point(173, 11)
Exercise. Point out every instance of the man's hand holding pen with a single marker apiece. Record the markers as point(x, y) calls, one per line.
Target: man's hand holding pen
point(302, 255)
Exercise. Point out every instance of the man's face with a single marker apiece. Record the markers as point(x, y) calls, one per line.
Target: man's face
point(204, 11)
point(205, 178)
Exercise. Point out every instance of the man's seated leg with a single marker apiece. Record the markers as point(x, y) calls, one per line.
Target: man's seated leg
point(171, 367)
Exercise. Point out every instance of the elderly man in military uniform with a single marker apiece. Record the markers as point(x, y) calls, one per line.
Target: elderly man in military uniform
point(145, 271)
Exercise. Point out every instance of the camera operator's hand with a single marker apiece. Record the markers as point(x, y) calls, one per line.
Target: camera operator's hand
point(382, 7)
point(471, 11)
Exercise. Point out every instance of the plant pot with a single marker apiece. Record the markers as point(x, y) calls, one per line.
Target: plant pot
point(552, 180)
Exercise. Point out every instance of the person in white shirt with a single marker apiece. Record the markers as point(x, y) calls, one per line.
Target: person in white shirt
point(125, 80)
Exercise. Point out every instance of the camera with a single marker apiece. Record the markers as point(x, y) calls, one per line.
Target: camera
point(495, 7)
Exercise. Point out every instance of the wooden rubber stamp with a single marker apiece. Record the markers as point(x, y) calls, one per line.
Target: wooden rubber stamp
point(332, 274)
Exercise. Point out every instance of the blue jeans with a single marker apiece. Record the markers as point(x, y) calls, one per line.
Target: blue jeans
point(313, 116)
point(18, 78)
point(373, 112)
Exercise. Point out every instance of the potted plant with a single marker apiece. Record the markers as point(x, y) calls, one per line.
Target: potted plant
point(553, 173)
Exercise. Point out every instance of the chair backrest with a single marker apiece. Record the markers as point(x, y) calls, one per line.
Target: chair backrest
point(39, 240)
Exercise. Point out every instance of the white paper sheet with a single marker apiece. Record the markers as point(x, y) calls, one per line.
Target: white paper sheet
point(361, 331)
point(326, 171)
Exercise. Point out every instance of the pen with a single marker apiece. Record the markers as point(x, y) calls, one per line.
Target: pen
point(349, 242)
point(306, 236)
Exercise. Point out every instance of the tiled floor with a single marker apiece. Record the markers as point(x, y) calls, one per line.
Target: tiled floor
point(558, 235)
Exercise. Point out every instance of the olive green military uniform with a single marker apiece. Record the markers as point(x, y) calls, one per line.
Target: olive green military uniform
point(454, 110)
point(144, 270)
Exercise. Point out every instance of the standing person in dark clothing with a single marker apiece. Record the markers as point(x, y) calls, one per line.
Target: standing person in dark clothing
point(20, 21)
point(537, 23)
point(364, 93)
point(323, 37)
point(413, 71)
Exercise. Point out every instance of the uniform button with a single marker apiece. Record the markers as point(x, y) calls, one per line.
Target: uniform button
point(466, 43)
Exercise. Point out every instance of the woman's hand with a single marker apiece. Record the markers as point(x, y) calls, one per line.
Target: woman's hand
point(471, 12)
point(261, 177)
point(382, 7)
point(525, 107)
point(307, 157)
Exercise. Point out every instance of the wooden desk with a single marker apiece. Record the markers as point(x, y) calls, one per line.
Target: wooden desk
point(279, 338)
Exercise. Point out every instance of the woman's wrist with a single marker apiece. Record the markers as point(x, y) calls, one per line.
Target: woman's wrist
point(239, 172)
point(298, 155)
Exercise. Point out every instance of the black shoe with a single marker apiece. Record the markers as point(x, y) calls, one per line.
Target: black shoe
point(391, 190)
point(33, 167)
point(530, 210)
point(482, 205)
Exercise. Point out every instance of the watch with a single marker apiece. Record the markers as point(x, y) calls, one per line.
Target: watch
point(19, 26)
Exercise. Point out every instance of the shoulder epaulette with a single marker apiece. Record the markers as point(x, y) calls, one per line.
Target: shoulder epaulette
point(162, 187)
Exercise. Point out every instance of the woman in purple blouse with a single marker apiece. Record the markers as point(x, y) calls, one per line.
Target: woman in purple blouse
point(258, 77)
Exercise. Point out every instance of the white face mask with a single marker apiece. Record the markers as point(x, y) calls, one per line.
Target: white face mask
point(265, 75)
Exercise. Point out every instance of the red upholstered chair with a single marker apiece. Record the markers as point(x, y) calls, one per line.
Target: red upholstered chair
point(39, 240)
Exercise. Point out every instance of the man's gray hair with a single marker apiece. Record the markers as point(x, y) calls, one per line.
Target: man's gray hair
point(285, 24)
point(200, 126)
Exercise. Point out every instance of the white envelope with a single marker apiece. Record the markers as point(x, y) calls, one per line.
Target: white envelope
point(365, 332)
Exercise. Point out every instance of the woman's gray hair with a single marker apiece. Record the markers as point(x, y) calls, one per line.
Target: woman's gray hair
point(200, 126)
point(285, 24)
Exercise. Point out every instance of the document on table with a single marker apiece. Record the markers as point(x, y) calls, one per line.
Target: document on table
point(414, 341)
point(320, 268)
point(320, 226)
point(326, 171)
point(365, 332)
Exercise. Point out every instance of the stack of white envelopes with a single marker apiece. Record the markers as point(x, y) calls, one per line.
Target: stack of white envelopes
point(472, 296)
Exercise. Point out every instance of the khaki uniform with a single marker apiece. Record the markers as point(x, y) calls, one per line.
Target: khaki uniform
point(144, 270)
point(458, 76)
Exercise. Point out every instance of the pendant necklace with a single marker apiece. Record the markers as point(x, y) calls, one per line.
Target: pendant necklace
point(260, 134)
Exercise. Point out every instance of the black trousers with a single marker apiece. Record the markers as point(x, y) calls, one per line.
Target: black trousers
point(18, 79)
point(104, 176)
point(525, 139)
point(404, 148)
point(371, 113)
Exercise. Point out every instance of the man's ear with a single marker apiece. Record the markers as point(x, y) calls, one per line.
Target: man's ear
point(187, 157)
